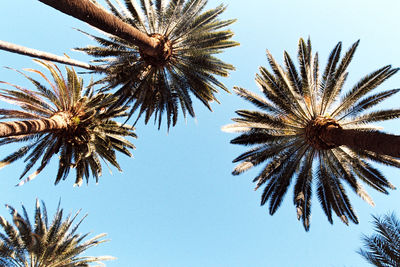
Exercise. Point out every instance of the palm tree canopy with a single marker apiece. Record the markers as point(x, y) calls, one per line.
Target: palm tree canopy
point(383, 248)
point(91, 133)
point(286, 132)
point(45, 244)
point(161, 84)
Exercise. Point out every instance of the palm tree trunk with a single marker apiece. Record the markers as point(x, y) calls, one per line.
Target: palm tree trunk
point(87, 11)
point(59, 121)
point(375, 141)
point(46, 56)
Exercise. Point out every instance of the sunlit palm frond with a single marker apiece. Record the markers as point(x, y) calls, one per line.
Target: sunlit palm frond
point(187, 67)
point(289, 132)
point(46, 244)
point(91, 133)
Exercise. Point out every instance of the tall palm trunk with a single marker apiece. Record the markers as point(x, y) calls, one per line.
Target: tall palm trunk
point(375, 141)
point(59, 121)
point(87, 11)
point(45, 55)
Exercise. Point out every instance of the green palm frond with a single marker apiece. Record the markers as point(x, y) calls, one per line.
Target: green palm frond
point(45, 244)
point(157, 86)
point(383, 247)
point(287, 132)
point(91, 134)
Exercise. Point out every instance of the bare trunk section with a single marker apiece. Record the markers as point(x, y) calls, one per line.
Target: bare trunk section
point(375, 141)
point(87, 11)
point(59, 121)
point(46, 56)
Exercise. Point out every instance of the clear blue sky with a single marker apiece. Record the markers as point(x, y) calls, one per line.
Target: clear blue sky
point(176, 203)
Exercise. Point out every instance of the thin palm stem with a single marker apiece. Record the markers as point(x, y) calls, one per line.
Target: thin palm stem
point(18, 49)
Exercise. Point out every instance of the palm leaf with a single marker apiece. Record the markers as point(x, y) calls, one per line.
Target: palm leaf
point(382, 247)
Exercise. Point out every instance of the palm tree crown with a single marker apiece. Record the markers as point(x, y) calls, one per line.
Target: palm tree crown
point(383, 247)
point(158, 84)
point(45, 244)
point(87, 133)
point(290, 133)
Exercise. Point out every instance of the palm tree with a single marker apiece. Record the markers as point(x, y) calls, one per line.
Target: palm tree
point(41, 244)
point(79, 126)
point(158, 79)
point(304, 131)
point(383, 247)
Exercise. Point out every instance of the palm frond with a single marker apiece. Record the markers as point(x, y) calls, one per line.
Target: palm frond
point(382, 247)
point(367, 84)
point(327, 84)
point(369, 102)
point(303, 189)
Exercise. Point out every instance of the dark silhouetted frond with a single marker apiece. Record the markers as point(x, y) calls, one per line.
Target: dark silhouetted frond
point(383, 247)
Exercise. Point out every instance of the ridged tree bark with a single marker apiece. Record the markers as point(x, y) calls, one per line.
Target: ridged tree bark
point(59, 121)
point(87, 11)
point(375, 141)
point(18, 49)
